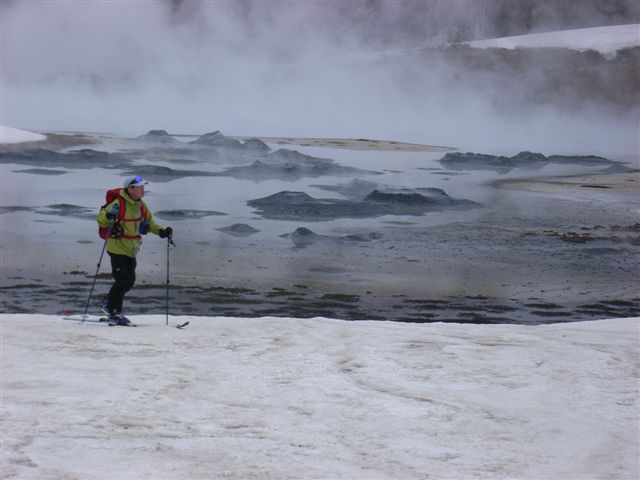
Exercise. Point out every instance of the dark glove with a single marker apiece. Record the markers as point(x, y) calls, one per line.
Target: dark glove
point(166, 232)
point(116, 230)
point(112, 214)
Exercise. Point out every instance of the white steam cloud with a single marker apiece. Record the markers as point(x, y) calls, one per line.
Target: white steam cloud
point(273, 69)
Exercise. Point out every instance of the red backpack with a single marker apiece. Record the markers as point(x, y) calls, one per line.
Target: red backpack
point(113, 194)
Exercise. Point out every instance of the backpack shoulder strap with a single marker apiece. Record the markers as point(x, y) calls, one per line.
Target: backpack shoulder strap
point(123, 207)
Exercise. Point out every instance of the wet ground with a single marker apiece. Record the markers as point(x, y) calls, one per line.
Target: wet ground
point(300, 301)
point(552, 245)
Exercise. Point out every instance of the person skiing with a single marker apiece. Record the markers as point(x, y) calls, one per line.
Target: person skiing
point(125, 220)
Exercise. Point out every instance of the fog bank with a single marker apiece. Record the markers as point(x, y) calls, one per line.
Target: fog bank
point(291, 69)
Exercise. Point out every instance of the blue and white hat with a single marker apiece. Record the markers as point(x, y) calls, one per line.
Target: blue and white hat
point(136, 181)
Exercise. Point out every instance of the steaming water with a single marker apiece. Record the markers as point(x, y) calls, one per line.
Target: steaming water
point(474, 252)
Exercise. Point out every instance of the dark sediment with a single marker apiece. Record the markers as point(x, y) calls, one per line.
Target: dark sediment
point(297, 301)
point(300, 206)
point(523, 160)
point(158, 136)
point(239, 230)
point(41, 171)
point(84, 158)
point(256, 144)
point(303, 237)
point(218, 140)
point(186, 214)
point(61, 210)
point(291, 166)
point(156, 173)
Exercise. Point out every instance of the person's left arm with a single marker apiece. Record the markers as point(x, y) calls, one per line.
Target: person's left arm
point(156, 228)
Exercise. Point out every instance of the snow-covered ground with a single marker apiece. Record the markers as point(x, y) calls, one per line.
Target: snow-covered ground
point(290, 398)
point(15, 135)
point(606, 40)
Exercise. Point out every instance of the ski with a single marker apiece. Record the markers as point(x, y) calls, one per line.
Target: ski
point(103, 320)
point(85, 320)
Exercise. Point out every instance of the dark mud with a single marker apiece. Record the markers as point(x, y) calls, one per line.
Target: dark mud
point(158, 173)
point(186, 214)
point(300, 206)
point(300, 301)
point(303, 237)
point(240, 230)
point(61, 210)
point(359, 190)
point(291, 170)
point(41, 171)
point(524, 160)
point(76, 159)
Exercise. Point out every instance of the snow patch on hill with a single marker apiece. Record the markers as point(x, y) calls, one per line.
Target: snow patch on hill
point(606, 40)
point(14, 135)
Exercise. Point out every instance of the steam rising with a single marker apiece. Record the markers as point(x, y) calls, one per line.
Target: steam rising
point(292, 69)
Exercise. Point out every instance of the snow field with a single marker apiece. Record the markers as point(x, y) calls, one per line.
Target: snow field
point(318, 398)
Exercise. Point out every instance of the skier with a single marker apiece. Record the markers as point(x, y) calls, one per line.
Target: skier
point(125, 219)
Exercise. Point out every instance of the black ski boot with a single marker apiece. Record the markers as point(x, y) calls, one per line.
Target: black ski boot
point(120, 320)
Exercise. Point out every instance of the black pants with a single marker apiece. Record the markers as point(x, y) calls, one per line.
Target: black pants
point(123, 269)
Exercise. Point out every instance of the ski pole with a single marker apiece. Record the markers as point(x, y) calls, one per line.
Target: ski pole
point(169, 242)
point(95, 277)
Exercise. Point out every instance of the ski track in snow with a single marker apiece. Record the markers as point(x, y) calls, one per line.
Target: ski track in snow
point(316, 398)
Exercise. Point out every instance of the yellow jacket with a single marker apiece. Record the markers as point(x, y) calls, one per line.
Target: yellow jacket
point(130, 242)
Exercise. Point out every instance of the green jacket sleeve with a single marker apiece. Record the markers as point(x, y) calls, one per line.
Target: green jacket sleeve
point(102, 214)
point(153, 226)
